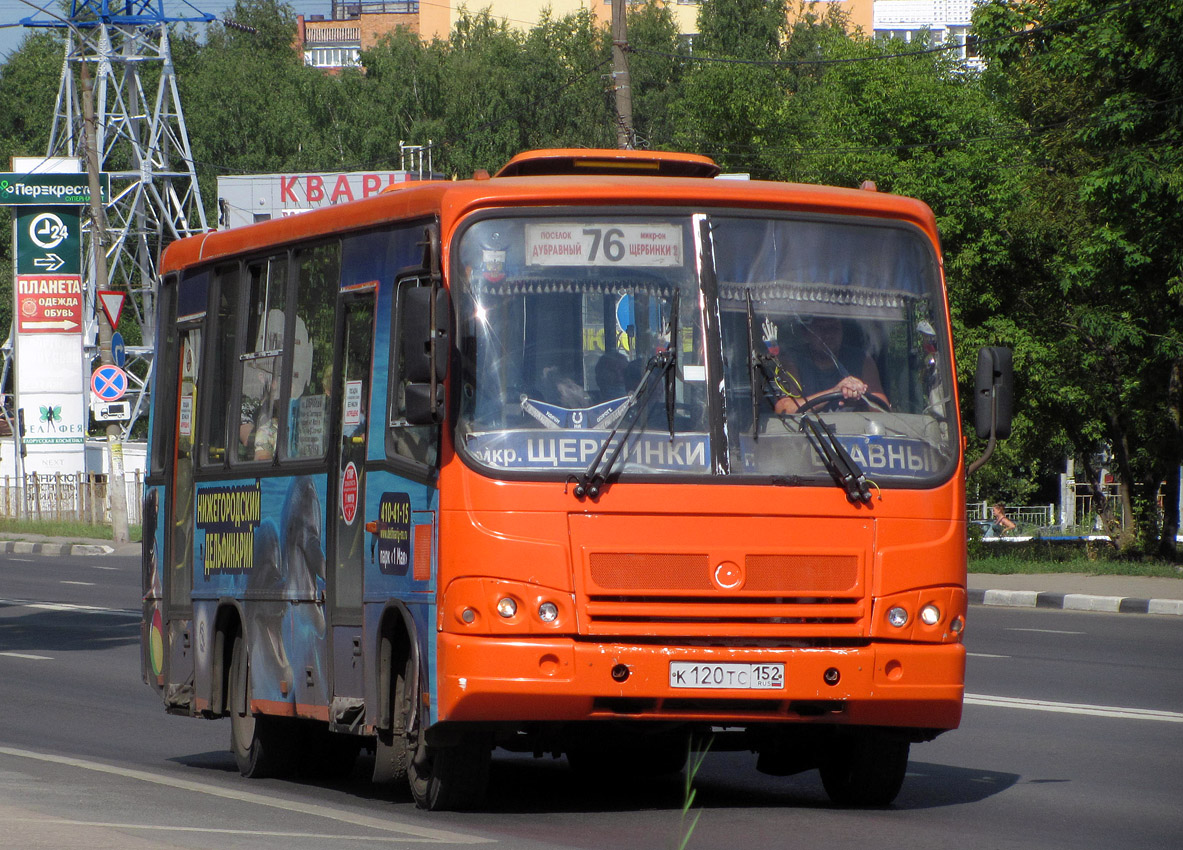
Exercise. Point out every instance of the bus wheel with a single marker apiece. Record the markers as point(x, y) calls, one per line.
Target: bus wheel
point(260, 744)
point(452, 778)
point(393, 749)
point(865, 768)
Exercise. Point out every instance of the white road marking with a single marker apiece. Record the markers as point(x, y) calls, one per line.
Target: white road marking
point(300, 807)
point(1048, 631)
point(27, 655)
point(83, 583)
point(65, 606)
point(985, 655)
point(402, 839)
point(1075, 708)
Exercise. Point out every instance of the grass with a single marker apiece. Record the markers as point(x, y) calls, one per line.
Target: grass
point(61, 528)
point(1024, 565)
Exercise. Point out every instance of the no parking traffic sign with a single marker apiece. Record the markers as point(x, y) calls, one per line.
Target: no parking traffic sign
point(109, 383)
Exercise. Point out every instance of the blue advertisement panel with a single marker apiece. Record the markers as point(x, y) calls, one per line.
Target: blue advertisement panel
point(262, 541)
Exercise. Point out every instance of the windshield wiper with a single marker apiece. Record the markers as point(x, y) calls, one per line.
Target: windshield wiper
point(592, 482)
point(671, 368)
point(837, 459)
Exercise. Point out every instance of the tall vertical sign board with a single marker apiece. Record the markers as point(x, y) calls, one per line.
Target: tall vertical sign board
point(48, 311)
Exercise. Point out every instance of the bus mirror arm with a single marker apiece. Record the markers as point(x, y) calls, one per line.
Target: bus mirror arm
point(993, 395)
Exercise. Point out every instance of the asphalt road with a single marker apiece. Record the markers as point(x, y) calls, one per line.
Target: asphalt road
point(1070, 739)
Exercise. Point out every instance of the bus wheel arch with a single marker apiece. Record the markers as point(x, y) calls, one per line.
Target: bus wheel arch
point(227, 624)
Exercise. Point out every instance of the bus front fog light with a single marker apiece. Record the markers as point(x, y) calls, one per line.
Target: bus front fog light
point(930, 615)
point(898, 617)
point(468, 615)
point(957, 625)
point(548, 612)
point(506, 607)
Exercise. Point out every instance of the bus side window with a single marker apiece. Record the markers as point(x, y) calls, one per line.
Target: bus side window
point(223, 332)
point(260, 365)
point(318, 273)
point(418, 443)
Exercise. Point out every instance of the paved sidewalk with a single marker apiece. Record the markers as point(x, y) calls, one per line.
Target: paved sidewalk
point(1068, 591)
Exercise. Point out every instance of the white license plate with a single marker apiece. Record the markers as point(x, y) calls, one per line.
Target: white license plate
point(727, 676)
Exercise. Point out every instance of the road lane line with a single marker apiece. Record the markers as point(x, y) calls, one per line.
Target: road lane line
point(27, 655)
point(66, 606)
point(1075, 708)
point(1048, 631)
point(301, 807)
point(83, 583)
point(985, 655)
point(402, 839)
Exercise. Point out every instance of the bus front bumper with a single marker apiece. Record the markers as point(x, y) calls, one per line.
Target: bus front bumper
point(561, 680)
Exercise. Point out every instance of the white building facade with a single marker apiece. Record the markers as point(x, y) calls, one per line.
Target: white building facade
point(947, 21)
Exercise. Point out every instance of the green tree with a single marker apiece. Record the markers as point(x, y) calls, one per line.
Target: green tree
point(28, 90)
point(1100, 86)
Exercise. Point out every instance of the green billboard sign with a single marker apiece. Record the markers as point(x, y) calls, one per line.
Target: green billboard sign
point(50, 189)
point(48, 241)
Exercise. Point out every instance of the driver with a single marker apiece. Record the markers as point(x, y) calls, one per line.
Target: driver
point(826, 364)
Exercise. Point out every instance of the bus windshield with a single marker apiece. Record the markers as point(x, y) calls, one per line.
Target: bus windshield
point(563, 317)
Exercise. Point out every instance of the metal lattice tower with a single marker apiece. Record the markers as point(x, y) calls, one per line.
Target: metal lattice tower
point(142, 143)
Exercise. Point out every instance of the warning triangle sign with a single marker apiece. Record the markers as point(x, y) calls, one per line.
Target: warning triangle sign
point(112, 304)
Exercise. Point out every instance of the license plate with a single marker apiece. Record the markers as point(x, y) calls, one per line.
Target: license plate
point(727, 676)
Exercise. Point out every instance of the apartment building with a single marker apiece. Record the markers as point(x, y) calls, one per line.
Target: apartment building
point(335, 40)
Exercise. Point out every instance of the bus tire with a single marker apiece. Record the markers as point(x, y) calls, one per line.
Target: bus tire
point(261, 744)
point(393, 748)
point(452, 778)
point(865, 768)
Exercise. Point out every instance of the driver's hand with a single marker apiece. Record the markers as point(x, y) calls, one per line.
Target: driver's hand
point(786, 404)
point(851, 387)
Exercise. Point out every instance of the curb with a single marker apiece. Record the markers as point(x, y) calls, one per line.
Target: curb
point(21, 547)
point(1075, 602)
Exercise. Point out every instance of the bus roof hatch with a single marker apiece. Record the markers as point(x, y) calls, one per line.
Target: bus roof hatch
point(566, 161)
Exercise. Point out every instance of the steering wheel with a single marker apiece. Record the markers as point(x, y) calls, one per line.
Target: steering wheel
point(835, 400)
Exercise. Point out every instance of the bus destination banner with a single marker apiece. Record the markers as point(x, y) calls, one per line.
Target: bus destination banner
point(541, 450)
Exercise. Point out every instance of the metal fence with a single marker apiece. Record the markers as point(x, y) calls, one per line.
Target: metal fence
point(1024, 516)
point(79, 497)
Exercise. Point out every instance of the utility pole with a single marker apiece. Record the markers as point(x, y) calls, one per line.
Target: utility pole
point(625, 138)
point(116, 487)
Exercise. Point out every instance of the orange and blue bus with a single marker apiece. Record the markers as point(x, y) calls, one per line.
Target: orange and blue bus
point(551, 461)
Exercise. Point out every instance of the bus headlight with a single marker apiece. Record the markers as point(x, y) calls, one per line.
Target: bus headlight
point(898, 617)
point(930, 615)
point(506, 607)
point(482, 606)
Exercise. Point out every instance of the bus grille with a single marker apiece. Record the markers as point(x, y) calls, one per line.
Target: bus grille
point(685, 594)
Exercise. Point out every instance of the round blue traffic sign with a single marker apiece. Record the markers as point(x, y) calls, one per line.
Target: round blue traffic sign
point(118, 351)
point(109, 383)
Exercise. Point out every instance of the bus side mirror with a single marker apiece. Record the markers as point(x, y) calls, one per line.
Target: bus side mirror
point(993, 393)
point(421, 407)
point(426, 341)
point(425, 334)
